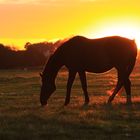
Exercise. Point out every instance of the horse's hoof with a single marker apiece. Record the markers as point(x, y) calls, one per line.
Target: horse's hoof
point(86, 103)
point(65, 104)
point(44, 106)
point(86, 100)
point(109, 101)
point(129, 103)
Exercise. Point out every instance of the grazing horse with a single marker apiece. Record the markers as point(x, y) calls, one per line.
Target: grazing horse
point(80, 55)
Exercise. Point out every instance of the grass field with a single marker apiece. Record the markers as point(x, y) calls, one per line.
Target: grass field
point(22, 118)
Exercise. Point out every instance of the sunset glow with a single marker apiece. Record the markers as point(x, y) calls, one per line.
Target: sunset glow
point(43, 20)
point(130, 31)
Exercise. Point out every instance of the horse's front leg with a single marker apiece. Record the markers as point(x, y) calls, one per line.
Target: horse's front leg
point(71, 78)
point(82, 75)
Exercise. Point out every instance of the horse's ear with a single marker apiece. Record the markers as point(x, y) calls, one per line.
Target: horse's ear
point(41, 74)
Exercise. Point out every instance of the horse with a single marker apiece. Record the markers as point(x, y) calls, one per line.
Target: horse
point(80, 55)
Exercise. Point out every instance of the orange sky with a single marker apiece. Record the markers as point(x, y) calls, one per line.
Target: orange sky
point(43, 20)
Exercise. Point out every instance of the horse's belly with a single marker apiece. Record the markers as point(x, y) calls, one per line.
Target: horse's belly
point(98, 62)
point(98, 67)
point(98, 70)
point(89, 64)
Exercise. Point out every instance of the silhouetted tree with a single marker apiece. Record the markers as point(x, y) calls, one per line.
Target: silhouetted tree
point(34, 55)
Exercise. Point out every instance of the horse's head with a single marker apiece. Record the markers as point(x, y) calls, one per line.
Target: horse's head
point(47, 88)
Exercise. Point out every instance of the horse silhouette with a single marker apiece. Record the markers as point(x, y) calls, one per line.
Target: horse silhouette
point(80, 55)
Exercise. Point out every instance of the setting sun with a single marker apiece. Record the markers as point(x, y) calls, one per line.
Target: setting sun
point(127, 30)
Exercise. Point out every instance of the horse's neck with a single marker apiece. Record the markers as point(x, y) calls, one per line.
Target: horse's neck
point(52, 68)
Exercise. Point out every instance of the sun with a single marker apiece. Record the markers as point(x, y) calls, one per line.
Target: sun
point(130, 31)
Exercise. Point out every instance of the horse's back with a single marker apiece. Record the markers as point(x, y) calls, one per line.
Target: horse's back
point(107, 44)
point(98, 54)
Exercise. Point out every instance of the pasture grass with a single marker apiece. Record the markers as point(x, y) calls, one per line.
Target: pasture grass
point(22, 117)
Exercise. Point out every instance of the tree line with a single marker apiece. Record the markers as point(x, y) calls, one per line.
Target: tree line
point(34, 55)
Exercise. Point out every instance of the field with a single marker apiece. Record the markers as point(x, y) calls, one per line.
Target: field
point(22, 117)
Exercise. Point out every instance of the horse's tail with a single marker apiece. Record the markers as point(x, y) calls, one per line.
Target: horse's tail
point(132, 59)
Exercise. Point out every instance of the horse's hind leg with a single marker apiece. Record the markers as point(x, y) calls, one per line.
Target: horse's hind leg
point(123, 80)
point(82, 75)
point(127, 86)
point(71, 78)
point(117, 88)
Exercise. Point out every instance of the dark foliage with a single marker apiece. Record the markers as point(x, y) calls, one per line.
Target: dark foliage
point(34, 55)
